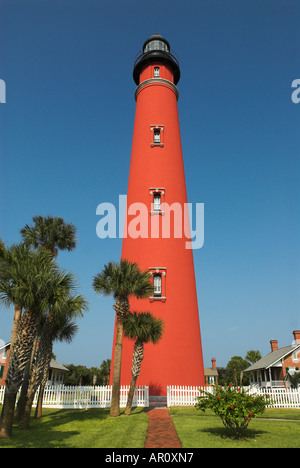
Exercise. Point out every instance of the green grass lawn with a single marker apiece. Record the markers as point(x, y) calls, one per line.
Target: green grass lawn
point(205, 430)
point(92, 428)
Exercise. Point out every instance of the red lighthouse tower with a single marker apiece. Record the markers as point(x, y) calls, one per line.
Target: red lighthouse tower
point(156, 234)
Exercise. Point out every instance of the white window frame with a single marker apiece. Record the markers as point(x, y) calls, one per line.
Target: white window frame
point(155, 192)
point(161, 273)
point(157, 135)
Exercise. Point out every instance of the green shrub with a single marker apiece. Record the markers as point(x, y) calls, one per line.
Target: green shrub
point(234, 406)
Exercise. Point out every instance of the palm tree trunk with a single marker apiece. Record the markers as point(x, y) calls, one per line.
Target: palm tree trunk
point(25, 419)
point(41, 361)
point(130, 395)
point(39, 406)
point(115, 393)
point(121, 307)
point(15, 374)
point(6, 422)
point(22, 399)
point(138, 356)
point(14, 332)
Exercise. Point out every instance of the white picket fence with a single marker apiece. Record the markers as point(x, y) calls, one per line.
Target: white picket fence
point(180, 395)
point(74, 397)
point(100, 397)
point(187, 396)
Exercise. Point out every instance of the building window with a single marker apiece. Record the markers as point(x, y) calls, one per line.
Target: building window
point(159, 283)
point(1, 371)
point(157, 194)
point(156, 72)
point(157, 135)
point(157, 202)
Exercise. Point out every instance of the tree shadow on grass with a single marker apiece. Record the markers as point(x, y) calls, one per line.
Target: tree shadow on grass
point(44, 432)
point(223, 433)
point(64, 416)
point(56, 427)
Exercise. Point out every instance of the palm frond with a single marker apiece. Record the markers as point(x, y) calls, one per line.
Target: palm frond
point(122, 280)
point(50, 233)
point(143, 326)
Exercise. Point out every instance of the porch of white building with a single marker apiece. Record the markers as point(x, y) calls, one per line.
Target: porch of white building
point(268, 378)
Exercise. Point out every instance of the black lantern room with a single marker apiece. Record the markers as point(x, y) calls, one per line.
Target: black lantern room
point(156, 48)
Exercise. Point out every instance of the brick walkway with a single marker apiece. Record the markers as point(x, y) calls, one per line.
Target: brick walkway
point(161, 431)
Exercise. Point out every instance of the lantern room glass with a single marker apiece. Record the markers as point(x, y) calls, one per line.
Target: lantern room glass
point(156, 45)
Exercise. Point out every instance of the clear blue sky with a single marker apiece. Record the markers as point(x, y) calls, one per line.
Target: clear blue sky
point(66, 133)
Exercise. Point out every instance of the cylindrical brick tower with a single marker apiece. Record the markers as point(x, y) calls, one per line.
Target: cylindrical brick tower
point(157, 226)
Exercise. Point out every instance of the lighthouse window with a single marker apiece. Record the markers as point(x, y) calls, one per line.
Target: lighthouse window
point(157, 285)
point(156, 138)
point(157, 135)
point(157, 202)
point(156, 72)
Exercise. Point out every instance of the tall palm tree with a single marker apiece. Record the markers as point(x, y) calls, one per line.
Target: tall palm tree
point(25, 278)
point(142, 327)
point(62, 305)
point(121, 280)
point(50, 233)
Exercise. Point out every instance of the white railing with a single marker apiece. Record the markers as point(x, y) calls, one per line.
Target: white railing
point(281, 397)
point(271, 384)
point(75, 397)
point(187, 396)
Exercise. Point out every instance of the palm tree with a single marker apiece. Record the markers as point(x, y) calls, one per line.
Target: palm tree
point(142, 327)
point(253, 356)
point(50, 233)
point(25, 277)
point(121, 280)
point(95, 373)
point(105, 371)
point(62, 305)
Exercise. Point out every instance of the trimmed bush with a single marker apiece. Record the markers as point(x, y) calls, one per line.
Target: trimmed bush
point(235, 406)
